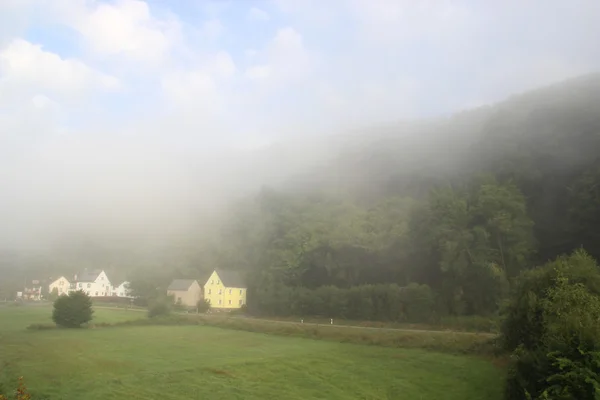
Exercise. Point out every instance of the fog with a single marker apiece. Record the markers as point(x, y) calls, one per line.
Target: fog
point(139, 123)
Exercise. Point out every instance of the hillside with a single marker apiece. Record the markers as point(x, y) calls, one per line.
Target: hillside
point(545, 140)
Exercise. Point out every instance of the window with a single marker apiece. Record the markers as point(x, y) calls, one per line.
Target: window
point(79, 285)
point(96, 293)
point(229, 291)
point(89, 285)
point(240, 302)
point(230, 302)
point(209, 291)
point(218, 281)
point(220, 302)
point(212, 281)
point(220, 291)
point(103, 285)
point(101, 278)
point(240, 291)
point(61, 283)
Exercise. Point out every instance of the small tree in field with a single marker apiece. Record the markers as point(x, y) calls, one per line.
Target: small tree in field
point(158, 308)
point(53, 295)
point(73, 310)
point(203, 306)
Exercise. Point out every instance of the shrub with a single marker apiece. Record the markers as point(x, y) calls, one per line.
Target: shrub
point(21, 393)
point(557, 354)
point(53, 295)
point(203, 306)
point(523, 323)
point(73, 310)
point(159, 308)
point(41, 327)
point(384, 302)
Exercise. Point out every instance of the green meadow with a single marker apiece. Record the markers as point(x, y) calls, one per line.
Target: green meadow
point(200, 362)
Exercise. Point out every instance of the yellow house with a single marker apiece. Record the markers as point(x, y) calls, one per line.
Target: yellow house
point(61, 285)
point(225, 289)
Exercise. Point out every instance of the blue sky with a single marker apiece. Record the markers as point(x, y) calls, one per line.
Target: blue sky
point(91, 89)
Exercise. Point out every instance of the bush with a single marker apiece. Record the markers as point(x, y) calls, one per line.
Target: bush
point(385, 302)
point(203, 306)
point(41, 327)
point(159, 308)
point(557, 354)
point(523, 323)
point(73, 310)
point(21, 393)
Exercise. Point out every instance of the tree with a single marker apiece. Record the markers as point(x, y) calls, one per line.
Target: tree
point(552, 325)
point(73, 310)
point(53, 295)
point(203, 306)
point(159, 307)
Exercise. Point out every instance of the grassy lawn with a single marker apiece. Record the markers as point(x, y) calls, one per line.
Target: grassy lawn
point(199, 362)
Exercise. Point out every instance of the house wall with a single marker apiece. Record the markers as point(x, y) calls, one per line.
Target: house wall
point(221, 296)
point(61, 285)
point(188, 298)
point(121, 290)
point(100, 287)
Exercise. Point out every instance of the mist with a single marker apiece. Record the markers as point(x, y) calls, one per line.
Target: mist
point(149, 138)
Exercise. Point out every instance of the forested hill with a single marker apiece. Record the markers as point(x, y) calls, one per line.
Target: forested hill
point(547, 141)
point(461, 204)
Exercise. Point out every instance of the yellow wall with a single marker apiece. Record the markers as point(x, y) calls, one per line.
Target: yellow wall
point(61, 284)
point(221, 296)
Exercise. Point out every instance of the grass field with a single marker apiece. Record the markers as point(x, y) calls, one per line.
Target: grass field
point(199, 362)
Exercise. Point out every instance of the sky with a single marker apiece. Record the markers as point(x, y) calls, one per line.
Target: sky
point(107, 102)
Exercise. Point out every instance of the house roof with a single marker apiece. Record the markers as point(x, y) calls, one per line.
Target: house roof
point(181, 284)
point(231, 278)
point(88, 276)
point(52, 280)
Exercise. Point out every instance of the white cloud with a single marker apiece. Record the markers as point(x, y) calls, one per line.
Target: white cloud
point(256, 14)
point(284, 60)
point(223, 65)
point(27, 69)
point(258, 72)
point(203, 87)
point(400, 20)
point(213, 28)
point(125, 27)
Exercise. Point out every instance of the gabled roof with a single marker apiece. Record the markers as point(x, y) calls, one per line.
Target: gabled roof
point(181, 284)
point(231, 278)
point(88, 276)
point(52, 280)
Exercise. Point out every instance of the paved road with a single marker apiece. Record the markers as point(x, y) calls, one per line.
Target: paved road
point(491, 335)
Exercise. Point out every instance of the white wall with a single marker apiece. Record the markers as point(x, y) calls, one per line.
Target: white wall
point(100, 287)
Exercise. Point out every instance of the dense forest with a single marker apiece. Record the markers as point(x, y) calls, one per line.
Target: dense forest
point(461, 205)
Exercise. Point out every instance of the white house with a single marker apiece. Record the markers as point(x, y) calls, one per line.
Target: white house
point(94, 284)
point(62, 286)
point(121, 290)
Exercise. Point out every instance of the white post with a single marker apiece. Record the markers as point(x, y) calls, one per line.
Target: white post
point(331, 321)
point(301, 321)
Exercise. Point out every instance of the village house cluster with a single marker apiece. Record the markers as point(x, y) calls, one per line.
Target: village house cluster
point(223, 290)
point(93, 283)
